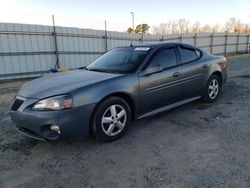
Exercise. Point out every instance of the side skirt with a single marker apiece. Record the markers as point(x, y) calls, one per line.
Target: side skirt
point(168, 107)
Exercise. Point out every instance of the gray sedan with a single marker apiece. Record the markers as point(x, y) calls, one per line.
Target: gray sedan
point(126, 83)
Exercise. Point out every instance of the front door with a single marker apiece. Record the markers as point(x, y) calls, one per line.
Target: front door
point(161, 88)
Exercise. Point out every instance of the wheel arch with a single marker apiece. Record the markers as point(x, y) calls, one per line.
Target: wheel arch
point(124, 96)
point(217, 73)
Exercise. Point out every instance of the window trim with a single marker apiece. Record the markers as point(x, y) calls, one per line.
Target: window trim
point(201, 54)
point(190, 48)
point(134, 70)
point(146, 65)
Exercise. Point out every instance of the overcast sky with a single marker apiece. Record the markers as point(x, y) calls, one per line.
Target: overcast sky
point(92, 13)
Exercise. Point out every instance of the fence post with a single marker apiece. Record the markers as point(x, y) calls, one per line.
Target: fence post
point(106, 37)
point(212, 43)
point(226, 36)
point(57, 65)
point(161, 39)
point(238, 41)
point(181, 37)
point(195, 39)
point(248, 38)
point(141, 37)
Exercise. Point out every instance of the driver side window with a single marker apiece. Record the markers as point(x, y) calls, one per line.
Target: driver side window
point(165, 58)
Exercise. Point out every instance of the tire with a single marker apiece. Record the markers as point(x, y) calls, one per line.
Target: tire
point(111, 119)
point(212, 90)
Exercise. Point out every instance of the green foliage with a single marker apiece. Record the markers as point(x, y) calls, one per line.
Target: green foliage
point(140, 29)
point(130, 30)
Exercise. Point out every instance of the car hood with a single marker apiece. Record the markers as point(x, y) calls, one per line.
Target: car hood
point(61, 83)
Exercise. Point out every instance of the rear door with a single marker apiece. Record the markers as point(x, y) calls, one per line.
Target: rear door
point(161, 88)
point(193, 71)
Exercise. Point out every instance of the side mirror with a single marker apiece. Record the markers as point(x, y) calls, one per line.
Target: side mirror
point(152, 70)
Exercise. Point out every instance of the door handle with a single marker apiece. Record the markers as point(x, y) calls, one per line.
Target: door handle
point(176, 74)
point(204, 66)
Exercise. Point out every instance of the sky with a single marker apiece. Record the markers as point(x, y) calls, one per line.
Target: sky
point(92, 13)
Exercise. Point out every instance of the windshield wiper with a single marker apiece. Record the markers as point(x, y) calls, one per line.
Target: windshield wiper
point(83, 68)
point(97, 70)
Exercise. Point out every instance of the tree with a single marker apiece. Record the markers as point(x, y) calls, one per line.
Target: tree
point(206, 28)
point(130, 30)
point(216, 28)
point(174, 27)
point(163, 28)
point(166, 28)
point(245, 28)
point(142, 28)
point(196, 27)
point(233, 25)
point(183, 26)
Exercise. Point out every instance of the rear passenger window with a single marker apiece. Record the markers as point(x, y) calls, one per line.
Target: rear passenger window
point(187, 54)
point(166, 58)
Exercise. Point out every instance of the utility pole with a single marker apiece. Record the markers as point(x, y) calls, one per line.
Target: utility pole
point(248, 39)
point(133, 20)
point(106, 36)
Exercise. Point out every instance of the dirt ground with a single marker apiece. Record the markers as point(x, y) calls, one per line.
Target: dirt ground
point(196, 145)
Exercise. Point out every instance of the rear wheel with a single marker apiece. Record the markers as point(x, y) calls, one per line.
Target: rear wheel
point(111, 119)
point(212, 90)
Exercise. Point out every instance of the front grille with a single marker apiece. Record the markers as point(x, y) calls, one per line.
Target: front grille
point(17, 104)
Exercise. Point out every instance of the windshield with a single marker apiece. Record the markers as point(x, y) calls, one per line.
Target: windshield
point(120, 60)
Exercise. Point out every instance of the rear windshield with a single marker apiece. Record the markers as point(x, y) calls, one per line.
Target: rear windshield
point(120, 60)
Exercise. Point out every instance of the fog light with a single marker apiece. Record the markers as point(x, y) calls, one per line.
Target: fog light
point(55, 128)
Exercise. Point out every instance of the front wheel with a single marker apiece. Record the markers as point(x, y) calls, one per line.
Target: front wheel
point(212, 90)
point(111, 119)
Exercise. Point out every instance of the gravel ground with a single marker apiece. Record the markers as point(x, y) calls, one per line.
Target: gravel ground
point(196, 145)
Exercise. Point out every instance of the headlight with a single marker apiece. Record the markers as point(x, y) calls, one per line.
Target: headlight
point(54, 103)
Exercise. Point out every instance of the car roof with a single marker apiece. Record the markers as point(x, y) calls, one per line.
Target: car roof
point(159, 44)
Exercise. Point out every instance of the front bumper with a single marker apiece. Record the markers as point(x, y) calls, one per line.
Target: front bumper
point(73, 122)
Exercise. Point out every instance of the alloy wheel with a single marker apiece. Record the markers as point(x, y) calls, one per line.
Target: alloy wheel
point(213, 89)
point(114, 120)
